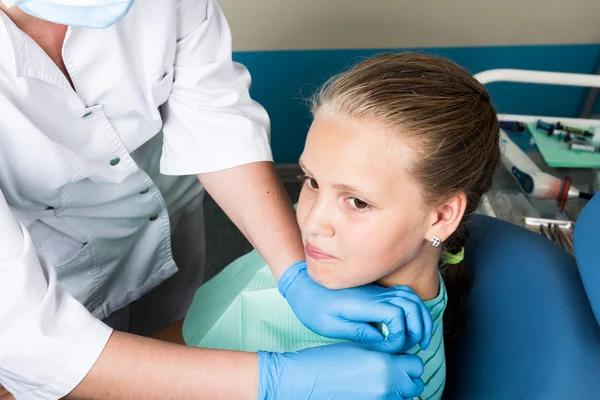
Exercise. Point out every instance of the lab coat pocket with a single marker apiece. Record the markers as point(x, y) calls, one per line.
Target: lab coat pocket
point(162, 90)
point(54, 247)
point(76, 275)
point(64, 252)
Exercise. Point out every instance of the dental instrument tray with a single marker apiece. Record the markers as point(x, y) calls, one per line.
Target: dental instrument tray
point(556, 153)
point(557, 231)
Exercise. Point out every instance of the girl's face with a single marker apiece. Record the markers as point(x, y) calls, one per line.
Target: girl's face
point(362, 217)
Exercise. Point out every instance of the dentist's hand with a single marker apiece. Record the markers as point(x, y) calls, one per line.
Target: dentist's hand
point(342, 371)
point(346, 313)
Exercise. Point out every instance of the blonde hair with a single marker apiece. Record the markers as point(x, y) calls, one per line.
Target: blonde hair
point(450, 123)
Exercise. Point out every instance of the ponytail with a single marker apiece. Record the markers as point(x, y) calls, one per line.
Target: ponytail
point(458, 282)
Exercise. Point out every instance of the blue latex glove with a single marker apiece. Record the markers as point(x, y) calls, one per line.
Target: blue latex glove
point(346, 313)
point(343, 371)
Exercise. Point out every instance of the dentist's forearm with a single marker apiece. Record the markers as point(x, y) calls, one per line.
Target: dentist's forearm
point(134, 367)
point(257, 203)
point(4, 395)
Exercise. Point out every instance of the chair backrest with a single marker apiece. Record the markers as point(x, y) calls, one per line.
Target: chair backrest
point(531, 333)
point(586, 241)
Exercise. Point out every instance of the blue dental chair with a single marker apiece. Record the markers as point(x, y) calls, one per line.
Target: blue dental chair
point(533, 329)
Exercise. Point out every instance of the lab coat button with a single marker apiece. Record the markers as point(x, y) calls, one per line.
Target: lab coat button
point(115, 161)
point(87, 114)
point(154, 217)
point(145, 191)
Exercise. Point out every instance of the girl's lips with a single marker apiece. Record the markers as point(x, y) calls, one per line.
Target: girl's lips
point(316, 253)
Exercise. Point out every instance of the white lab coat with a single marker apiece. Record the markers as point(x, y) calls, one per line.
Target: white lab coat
point(95, 176)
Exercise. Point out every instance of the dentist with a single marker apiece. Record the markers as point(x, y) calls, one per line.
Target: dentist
point(115, 116)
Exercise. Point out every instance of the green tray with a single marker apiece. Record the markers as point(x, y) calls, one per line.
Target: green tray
point(557, 154)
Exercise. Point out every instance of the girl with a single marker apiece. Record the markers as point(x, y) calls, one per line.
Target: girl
point(402, 148)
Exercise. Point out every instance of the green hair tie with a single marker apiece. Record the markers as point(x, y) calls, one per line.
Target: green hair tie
point(454, 258)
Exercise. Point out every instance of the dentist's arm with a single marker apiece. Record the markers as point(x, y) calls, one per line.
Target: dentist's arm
point(48, 341)
point(4, 395)
point(50, 344)
point(255, 200)
point(213, 129)
point(133, 367)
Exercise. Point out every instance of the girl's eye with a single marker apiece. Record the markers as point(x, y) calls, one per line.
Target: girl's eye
point(309, 181)
point(358, 203)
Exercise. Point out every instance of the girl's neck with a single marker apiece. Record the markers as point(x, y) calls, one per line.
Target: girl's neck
point(421, 275)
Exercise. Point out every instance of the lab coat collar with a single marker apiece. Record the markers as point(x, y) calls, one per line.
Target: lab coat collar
point(28, 59)
point(17, 43)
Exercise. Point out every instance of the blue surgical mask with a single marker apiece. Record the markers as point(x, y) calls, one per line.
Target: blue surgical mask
point(84, 13)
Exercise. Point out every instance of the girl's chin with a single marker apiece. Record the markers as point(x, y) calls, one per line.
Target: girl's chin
point(324, 278)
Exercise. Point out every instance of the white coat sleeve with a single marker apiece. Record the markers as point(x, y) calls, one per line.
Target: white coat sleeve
point(48, 340)
point(210, 121)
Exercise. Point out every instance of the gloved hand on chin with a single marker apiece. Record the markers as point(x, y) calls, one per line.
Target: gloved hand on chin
point(346, 313)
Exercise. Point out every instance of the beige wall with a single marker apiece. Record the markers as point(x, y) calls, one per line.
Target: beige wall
point(327, 24)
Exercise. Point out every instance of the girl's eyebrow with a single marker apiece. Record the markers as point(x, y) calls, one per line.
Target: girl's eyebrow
point(302, 165)
point(353, 189)
point(340, 186)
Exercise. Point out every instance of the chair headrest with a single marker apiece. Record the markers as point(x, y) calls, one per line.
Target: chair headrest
point(586, 241)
